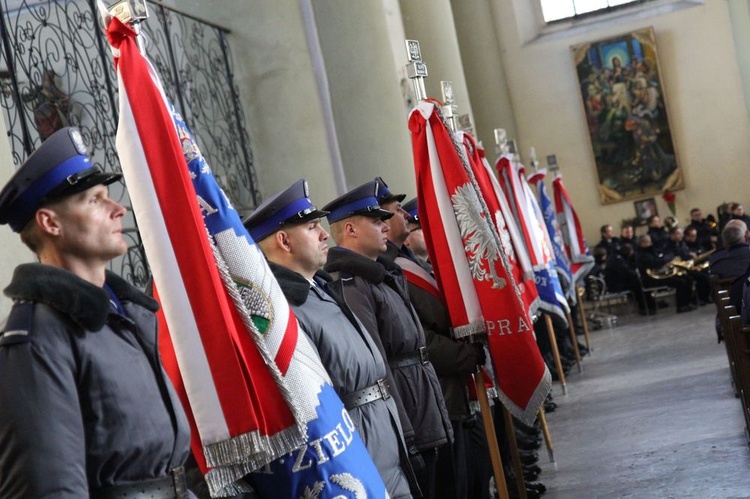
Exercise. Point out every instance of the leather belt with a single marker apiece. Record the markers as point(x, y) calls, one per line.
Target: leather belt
point(364, 396)
point(409, 359)
point(171, 486)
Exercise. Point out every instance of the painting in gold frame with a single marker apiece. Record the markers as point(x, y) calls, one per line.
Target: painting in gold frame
point(626, 114)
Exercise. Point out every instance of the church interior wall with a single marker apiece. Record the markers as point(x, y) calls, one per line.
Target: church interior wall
point(704, 92)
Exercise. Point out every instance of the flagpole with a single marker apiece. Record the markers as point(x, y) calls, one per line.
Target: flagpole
point(584, 323)
point(555, 352)
point(574, 339)
point(517, 467)
point(555, 169)
point(535, 166)
point(449, 111)
point(547, 436)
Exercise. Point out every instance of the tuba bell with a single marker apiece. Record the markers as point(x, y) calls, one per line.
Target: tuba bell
point(676, 267)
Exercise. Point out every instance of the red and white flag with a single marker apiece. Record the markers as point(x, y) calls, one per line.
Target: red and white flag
point(581, 261)
point(470, 265)
point(510, 237)
point(253, 387)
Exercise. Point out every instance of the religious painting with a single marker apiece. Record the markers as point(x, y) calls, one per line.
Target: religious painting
point(645, 209)
point(626, 115)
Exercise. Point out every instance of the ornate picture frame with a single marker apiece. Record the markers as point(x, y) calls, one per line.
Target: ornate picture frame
point(626, 114)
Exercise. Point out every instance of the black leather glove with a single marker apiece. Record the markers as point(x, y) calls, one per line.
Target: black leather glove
point(481, 355)
point(417, 462)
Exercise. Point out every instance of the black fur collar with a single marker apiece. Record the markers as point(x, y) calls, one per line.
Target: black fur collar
point(295, 287)
point(86, 304)
point(347, 261)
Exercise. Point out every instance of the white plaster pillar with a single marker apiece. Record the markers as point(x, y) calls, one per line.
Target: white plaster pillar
point(483, 67)
point(365, 87)
point(431, 23)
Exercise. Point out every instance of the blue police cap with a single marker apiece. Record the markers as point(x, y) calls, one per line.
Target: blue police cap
point(58, 168)
point(289, 206)
point(362, 200)
point(411, 208)
point(386, 196)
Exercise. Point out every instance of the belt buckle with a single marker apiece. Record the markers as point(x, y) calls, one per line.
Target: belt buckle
point(179, 482)
point(424, 356)
point(383, 388)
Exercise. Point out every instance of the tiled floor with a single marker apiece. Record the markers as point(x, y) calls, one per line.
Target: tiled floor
point(653, 415)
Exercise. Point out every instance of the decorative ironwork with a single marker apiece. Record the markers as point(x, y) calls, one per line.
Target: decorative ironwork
point(56, 70)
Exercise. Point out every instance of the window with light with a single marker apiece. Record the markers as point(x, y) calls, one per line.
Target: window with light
point(557, 10)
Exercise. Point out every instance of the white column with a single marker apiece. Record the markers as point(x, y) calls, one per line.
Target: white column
point(483, 66)
point(431, 23)
point(365, 86)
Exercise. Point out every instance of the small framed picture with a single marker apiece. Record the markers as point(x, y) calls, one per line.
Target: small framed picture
point(645, 209)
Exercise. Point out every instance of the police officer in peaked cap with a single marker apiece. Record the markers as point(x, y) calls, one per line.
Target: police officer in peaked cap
point(288, 230)
point(86, 409)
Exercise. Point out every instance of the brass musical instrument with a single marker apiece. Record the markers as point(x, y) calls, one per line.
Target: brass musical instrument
point(676, 267)
point(680, 267)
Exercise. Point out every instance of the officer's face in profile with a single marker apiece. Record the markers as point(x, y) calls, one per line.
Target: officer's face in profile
point(398, 223)
point(307, 244)
point(371, 234)
point(87, 226)
point(415, 241)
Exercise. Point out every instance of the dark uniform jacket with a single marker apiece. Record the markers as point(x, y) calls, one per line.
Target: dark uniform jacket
point(453, 361)
point(376, 292)
point(730, 262)
point(354, 362)
point(84, 402)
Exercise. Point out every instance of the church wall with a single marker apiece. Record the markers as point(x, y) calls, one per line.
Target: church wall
point(704, 91)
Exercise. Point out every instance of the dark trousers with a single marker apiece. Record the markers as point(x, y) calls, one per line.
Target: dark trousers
point(682, 285)
point(426, 478)
point(452, 477)
point(478, 462)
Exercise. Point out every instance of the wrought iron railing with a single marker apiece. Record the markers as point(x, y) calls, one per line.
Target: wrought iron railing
point(56, 70)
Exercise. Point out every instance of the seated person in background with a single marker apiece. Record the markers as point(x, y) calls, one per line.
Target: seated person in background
point(627, 239)
point(609, 241)
point(737, 212)
point(676, 248)
point(651, 259)
point(706, 233)
point(733, 260)
point(693, 242)
point(618, 276)
point(656, 232)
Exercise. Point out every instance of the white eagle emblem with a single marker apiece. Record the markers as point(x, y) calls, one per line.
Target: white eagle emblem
point(481, 248)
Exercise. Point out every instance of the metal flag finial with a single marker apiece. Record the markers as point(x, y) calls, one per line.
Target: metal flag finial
point(533, 162)
point(552, 163)
point(501, 141)
point(449, 104)
point(416, 70)
point(129, 11)
point(513, 147)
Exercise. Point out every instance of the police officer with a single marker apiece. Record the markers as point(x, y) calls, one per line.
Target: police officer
point(85, 407)
point(288, 230)
point(454, 362)
point(376, 291)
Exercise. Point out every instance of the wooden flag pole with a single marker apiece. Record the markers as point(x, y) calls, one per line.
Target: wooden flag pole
point(417, 71)
point(545, 432)
point(517, 467)
point(585, 324)
point(489, 428)
point(556, 352)
point(574, 339)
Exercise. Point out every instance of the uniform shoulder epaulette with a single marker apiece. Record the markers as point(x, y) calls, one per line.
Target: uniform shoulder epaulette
point(17, 328)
